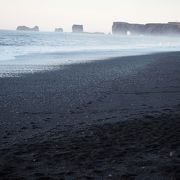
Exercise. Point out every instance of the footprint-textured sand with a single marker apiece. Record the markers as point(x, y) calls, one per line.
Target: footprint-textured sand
point(112, 119)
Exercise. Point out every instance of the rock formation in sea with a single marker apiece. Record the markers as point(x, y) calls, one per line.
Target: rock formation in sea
point(77, 28)
point(98, 33)
point(25, 28)
point(125, 28)
point(58, 30)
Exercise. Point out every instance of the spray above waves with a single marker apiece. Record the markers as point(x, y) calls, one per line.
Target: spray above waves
point(50, 49)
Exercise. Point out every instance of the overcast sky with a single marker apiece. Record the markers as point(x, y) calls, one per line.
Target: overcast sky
point(96, 15)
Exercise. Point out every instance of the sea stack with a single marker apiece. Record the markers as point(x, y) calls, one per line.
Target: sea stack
point(25, 28)
point(77, 28)
point(58, 30)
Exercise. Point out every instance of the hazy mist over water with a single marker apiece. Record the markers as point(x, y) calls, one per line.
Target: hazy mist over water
point(29, 52)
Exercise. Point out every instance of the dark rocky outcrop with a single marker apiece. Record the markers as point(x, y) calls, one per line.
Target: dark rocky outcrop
point(58, 30)
point(25, 28)
point(77, 28)
point(151, 28)
point(123, 28)
point(175, 23)
point(94, 33)
point(100, 33)
point(162, 29)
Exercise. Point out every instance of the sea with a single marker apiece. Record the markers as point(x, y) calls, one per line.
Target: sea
point(24, 52)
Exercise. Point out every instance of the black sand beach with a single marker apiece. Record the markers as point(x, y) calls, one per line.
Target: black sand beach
point(110, 119)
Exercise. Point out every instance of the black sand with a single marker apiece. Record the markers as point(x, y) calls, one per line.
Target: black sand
point(113, 119)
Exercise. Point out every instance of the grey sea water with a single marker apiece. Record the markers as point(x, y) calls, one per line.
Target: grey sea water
point(29, 52)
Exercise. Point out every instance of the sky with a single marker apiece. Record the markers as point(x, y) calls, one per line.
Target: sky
point(95, 15)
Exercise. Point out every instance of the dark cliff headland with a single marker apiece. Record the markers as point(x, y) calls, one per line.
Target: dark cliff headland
point(146, 29)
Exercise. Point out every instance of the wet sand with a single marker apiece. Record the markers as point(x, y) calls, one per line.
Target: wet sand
point(109, 119)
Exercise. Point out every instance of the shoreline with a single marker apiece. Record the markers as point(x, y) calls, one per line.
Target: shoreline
point(85, 106)
point(45, 68)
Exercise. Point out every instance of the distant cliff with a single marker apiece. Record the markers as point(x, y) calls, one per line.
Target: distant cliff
point(25, 28)
point(77, 28)
point(175, 23)
point(151, 29)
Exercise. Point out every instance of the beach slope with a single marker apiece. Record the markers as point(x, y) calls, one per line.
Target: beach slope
point(108, 119)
